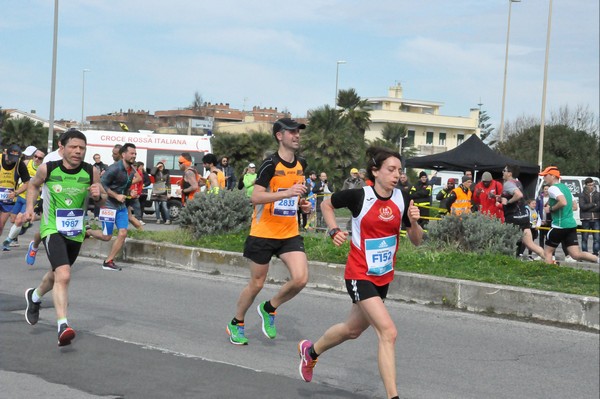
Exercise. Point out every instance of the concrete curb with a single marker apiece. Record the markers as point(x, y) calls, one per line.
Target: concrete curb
point(460, 294)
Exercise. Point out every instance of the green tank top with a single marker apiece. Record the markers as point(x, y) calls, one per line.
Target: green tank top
point(65, 200)
point(563, 218)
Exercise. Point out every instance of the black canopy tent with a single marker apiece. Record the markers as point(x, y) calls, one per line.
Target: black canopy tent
point(474, 155)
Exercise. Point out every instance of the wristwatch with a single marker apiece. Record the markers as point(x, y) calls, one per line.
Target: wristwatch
point(333, 232)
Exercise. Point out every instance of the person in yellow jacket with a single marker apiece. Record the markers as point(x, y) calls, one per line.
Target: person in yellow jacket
point(216, 179)
point(11, 170)
point(18, 211)
point(459, 200)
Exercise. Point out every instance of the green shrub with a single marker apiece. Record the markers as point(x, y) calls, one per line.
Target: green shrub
point(225, 212)
point(473, 232)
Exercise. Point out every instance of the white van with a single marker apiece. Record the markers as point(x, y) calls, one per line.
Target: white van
point(575, 184)
point(152, 148)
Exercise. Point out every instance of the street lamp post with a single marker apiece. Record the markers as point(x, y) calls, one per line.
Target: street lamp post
point(337, 73)
point(505, 69)
point(53, 78)
point(542, 123)
point(83, 95)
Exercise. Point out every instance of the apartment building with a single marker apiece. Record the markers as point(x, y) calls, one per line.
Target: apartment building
point(428, 130)
point(58, 125)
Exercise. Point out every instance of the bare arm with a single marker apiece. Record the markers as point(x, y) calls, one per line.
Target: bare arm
point(96, 189)
point(190, 178)
point(33, 191)
point(260, 195)
point(328, 212)
point(415, 231)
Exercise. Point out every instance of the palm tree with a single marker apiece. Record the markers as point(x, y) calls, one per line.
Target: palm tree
point(4, 115)
point(395, 134)
point(332, 143)
point(24, 132)
point(355, 109)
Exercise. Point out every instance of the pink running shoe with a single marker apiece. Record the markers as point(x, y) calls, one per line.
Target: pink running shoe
point(306, 362)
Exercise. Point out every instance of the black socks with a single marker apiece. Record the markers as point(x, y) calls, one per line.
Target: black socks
point(269, 308)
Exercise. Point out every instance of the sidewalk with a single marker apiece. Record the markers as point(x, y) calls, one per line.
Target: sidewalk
point(573, 310)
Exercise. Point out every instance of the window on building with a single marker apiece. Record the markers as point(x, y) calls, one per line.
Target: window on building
point(429, 138)
point(410, 138)
point(442, 140)
point(460, 138)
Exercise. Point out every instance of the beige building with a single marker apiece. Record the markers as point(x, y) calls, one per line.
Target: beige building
point(428, 130)
point(58, 126)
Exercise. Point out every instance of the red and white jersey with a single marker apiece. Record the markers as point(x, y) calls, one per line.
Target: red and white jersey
point(376, 226)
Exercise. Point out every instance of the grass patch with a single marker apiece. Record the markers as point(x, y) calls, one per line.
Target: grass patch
point(488, 268)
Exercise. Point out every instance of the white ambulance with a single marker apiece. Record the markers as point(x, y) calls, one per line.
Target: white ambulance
point(151, 148)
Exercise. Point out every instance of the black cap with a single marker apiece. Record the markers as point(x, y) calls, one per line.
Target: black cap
point(287, 124)
point(14, 153)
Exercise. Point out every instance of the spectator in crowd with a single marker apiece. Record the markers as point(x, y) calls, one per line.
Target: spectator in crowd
point(486, 196)
point(160, 193)
point(403, 184)
point(322, 190)
point(228, 172)
point(311, 181)
point(459, 199)
point(515, 213)
point(534, 221)
point(98, 164)
point(354, 181)
point(589, 202)
point(545, 218)
point(420, 193)
point(564, 227)
point(443, 194)
point(249, 179)
point(189, 184)
point(468, 173)
point(101, 166)
point(362, 173)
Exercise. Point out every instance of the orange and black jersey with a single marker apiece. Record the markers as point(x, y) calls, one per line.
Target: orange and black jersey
point(278, 219)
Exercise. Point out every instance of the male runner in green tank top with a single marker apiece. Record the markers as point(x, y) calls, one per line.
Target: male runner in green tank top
point(564, 227)
point(66, 183)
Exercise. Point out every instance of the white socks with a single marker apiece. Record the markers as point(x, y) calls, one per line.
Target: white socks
point(14, 232)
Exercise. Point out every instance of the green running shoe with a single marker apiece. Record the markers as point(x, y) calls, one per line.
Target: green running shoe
point(236, 334)
point(268, 321)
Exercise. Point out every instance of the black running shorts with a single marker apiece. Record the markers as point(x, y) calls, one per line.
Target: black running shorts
point(555, 237)
point(359, 290)
point(260, 250)
point(61, 251)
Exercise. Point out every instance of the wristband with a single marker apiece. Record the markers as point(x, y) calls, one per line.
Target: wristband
point(333, 232)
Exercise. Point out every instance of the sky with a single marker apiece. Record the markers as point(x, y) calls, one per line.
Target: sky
point(154, 55)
